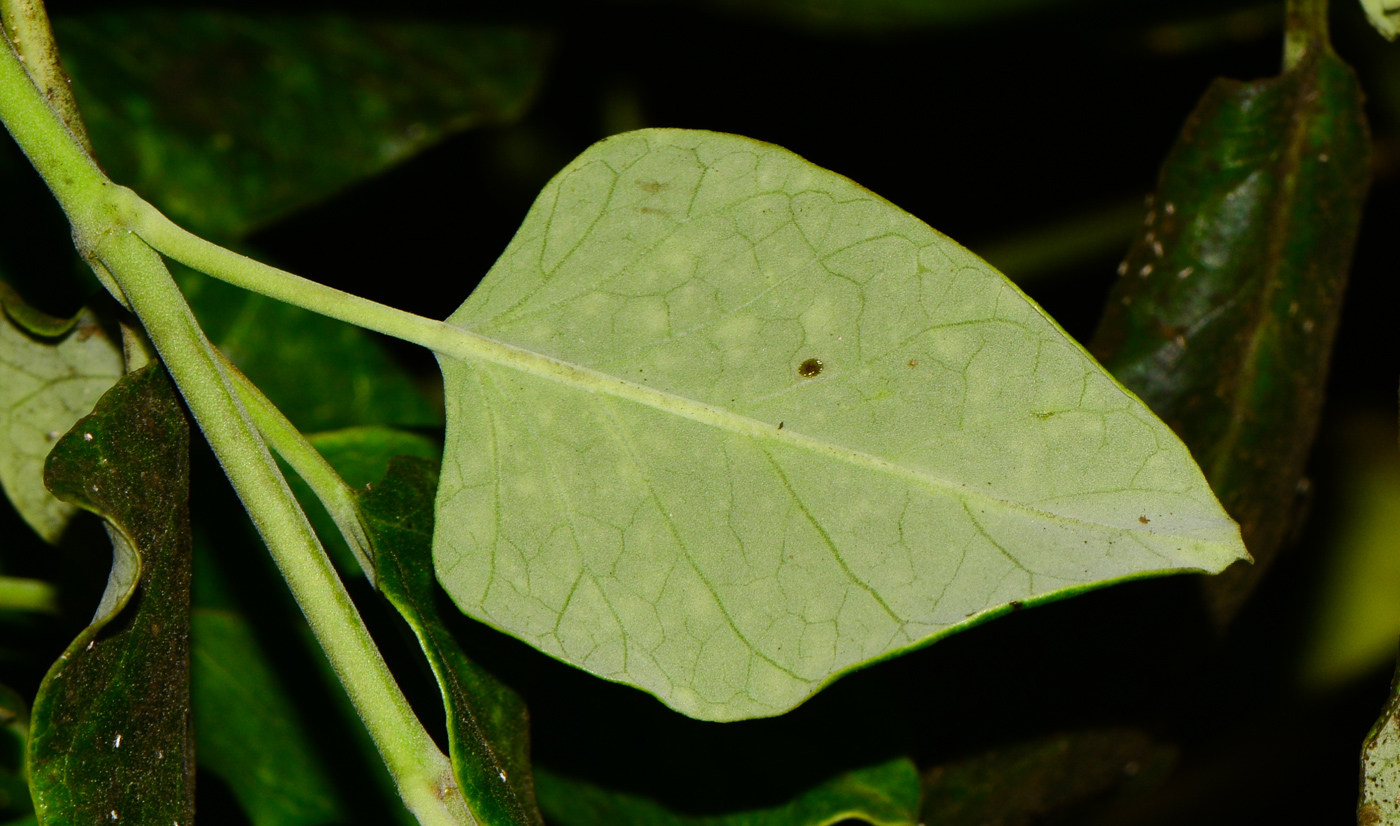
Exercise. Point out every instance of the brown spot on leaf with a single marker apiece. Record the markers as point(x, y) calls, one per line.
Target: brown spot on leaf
point(811, 368)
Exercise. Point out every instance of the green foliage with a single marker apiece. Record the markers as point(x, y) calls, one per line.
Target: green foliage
point(721, 425)
point(247, 730)
point(51, 372)
point(884, 795)
point(230, 121)
point(487, 726)
point(1226, 309)
point(110, 734)
point(902, 443)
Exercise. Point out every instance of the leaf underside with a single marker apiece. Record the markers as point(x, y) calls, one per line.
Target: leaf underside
point(884, 795)
point(110, 738)
point(51, 372)
point(768, 428)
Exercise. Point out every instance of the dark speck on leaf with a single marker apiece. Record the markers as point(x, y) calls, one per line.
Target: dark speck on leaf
point(780, 425)
point(1017, 605)
point(811, 368)
point(1144, 520)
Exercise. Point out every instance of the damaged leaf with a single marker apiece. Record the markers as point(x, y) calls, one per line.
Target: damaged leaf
point(110, 738)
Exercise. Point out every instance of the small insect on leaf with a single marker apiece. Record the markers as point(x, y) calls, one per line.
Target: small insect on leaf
point(810, 369)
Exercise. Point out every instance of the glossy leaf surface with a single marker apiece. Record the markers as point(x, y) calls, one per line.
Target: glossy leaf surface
point(885, 795)
point(1224, 318)
point(487, 726)
point(52, 371)
point(110, 738)
point(761, 427)
point(322, 374)
point(228, 121)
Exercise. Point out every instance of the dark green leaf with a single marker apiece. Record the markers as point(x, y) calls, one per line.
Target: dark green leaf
point(361, 456)
point(14, 730)
point(248, 731)
point(322, 374)
point(228, 121)
point(1224, 318)
point(51, 372)
point(487, 725)
point(1026, 782)
point(110, 738)
point(886, 795)
point(881, 16)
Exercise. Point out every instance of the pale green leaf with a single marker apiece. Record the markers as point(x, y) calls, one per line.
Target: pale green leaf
point(1384, 15)
point(662, 486)
point(51, 374)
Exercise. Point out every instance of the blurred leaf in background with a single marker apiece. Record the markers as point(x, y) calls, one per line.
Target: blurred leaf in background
point(229, 121)
point(876, 17)
point(1357, 620)
point(884, 795)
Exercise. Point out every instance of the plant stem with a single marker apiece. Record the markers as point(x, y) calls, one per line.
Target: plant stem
point(283, 437)
point(27, 595)
point(136, 275)
point(1305, 30)
point(27, 26)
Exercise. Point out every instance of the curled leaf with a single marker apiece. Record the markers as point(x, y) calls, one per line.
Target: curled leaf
point(488, 729)
point(110, 737)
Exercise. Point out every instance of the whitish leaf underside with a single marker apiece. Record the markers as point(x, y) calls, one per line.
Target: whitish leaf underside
point(838, 435)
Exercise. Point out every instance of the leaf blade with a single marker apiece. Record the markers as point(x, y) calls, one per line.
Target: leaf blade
point(52, 371)
point(110, 733)
point(659, 311)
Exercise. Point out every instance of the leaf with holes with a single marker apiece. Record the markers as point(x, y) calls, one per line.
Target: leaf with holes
point(735, 426)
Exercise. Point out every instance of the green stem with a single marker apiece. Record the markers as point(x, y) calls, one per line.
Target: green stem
point(27, 595)
point(308, 462)
point(1305, 30)
point(27, 26)
point(136, 274)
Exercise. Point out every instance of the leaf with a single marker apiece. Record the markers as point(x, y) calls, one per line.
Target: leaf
point(1357, 617)
point(885, 795)
point(229, 121)
point(1380, 766)
point(1224, 318)
point(1384, 15)
point(110, 738)
point(14, 731)
point(52, 371)
point(361, 456)
point(321, 373)
point(881, 16)
point(1034, 781)
point(749, 427)
point(487, 726)
point(248, 730)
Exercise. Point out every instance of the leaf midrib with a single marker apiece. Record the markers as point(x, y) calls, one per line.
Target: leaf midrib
point(468, 346)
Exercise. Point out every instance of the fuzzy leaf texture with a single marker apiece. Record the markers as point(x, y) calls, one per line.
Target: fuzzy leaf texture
point(110, 737)
point(762, 428)
point(883, 795)
point(488, 729)
point(1224, 317)
point(52, 371)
